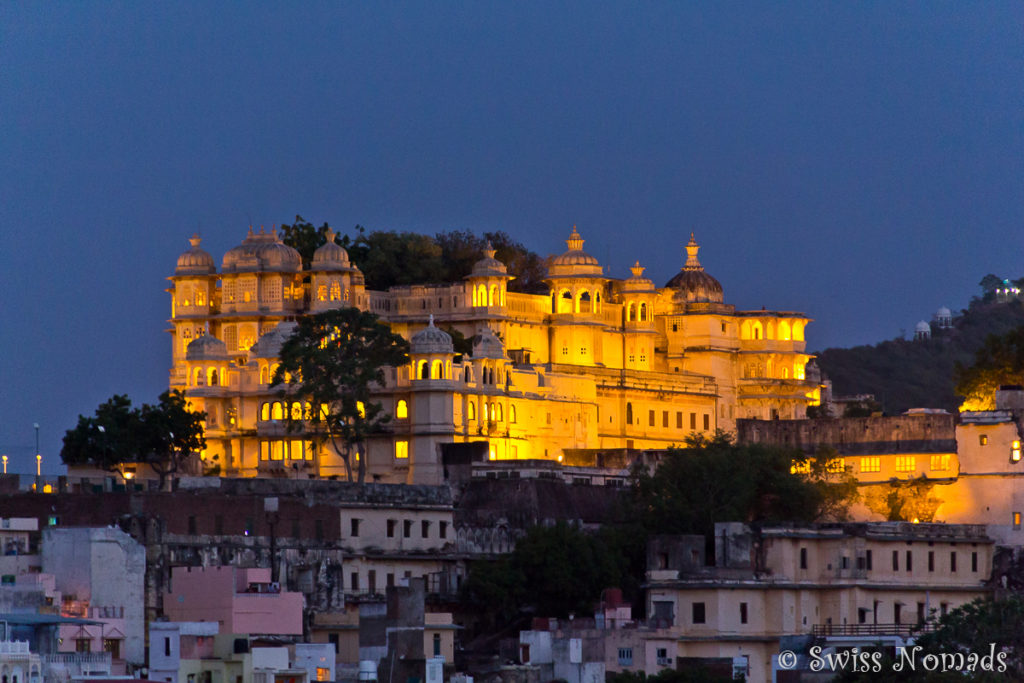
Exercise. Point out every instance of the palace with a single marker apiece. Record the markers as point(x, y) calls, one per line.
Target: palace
point(598, 363)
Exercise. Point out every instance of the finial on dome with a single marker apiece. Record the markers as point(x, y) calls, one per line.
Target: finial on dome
point(431, 324)
point(490, 250)
point(250, 230)
point(575, 242)
point(330, 235)
point(637, 269)
point(691, 255)
point(195, 240)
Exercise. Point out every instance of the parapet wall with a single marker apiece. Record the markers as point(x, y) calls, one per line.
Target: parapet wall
point(856, 435)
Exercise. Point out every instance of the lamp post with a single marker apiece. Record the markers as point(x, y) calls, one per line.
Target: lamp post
point(5, 464)
point(36, 425)
point(39, 465)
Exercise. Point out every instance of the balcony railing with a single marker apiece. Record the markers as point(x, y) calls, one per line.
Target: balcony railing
point(827, 630)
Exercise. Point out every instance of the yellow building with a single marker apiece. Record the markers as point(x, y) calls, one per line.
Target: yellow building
point(596, 363)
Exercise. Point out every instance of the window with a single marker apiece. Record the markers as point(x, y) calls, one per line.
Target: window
point(1015, 450)
point(871, 464)
point(442, 529)
point(905, 463)
point(679, 420)
point(836, 465)
point(83, 645)
point(625, 656)
point(895, 560)
point(402, 410)
point(167, 647)
point(392, 523)
point(952, 561)
point(354, 581)
point(354, 527)
point(1016, 520)
point(698, 613)
point(974, 561)
point(407, 528)
point(707, 422)
point(629, 414)
point(867, 560)
point(113, 646)
point(425, 529)
point(402, 449)
point(437, 644)
point(940, 463)
point(931, 561)
point(664, 418)
point(910, 560)
point(743, 612)
point(803, 558)
point(371, 580)
point(693, 420)
point(650, 417)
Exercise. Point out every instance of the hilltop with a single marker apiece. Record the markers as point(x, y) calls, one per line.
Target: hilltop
point(904, 374)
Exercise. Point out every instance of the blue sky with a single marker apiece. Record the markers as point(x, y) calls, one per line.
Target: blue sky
point(860, 162)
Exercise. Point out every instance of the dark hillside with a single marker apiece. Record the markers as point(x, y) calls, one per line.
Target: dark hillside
point(906, 374)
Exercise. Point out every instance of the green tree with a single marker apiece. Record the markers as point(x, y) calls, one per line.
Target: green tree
point(305, 238)
point(166, 436)
point(332, 362)
point(999, 361)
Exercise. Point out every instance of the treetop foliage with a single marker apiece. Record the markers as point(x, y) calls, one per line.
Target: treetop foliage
point(165, 436)
point(389, 258)
point(999, 361)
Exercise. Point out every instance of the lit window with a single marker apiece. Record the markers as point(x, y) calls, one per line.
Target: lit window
point(905, 463)
point(1016, 520)
point(335, 291)
point(402, 449)
point(1015, 451)
point(512, 414)
point(982, 440)
point(321, 293)
point(471, 410)
point(800, 467)
point(940, 463)
point(836, 465)
point(402, 410)
point(871, 464)
point(361, 409)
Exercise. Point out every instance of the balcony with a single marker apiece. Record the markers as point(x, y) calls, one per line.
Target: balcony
point(861, 630)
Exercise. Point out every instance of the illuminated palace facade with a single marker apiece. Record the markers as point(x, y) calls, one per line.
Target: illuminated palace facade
point(598, 363)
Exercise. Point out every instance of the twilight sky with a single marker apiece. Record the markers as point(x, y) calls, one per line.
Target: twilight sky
point(861, 162)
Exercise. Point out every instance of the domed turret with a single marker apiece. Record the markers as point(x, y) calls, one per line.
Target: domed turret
point(331, 256)
point(431, 340)
point(489, 266)
point(487, 345)
point(206, 347)
point(195, 261)
point(575, 261)
point(269, 344)
point(922, 330)
point(262, 252)
point(636, 282)
point(691, 283)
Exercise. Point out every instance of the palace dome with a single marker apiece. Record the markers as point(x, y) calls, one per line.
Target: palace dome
point(575, 261)
point(489, 266)
point(691, 283)
point(487, 345)
point(262, 252)
point(269, 344)
point(330, 256)
point(195, 261)
point(206, 347)
point(921, 326)
point(431, 340)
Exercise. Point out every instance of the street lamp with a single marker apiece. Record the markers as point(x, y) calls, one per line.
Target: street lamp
point(5, 464)
point(39, 465)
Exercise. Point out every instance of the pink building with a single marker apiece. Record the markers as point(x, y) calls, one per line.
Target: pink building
point(242, 601)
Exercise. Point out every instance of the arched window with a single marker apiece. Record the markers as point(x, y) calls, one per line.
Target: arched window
point(492, 299)
point(424, 370)
point(565, 302)
point(448, 369)
point(437, 370)
point(785, 373)
point(756, 330)
point(296, 411)
point(483, 411)
point(631, 312)
point(265, 375)
point(798, 330)
point(629, 413)
point(265, 412)
point(213, 377)
point(200, 297)
point(199, 378)
point(321, 293)
point(186, 295)
point(471, 410)
point(785, 331)
point(276, 411)
point(469, 373)
point(597, 302)
point(583, 302)
point(643, 312)
point(497, 412)
point(770, 330)
point(481, 295)
point(335, 291)
point(798, 371)
point(402, 409)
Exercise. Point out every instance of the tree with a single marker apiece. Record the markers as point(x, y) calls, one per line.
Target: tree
point(165, 436)
point(999, 361)
point(331, 362)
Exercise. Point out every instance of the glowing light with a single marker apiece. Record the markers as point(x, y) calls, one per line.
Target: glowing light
point(1015, 451)
point(47, 488)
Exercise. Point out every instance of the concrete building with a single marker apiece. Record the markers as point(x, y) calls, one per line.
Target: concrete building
point(240, 601)
point(595, 363)
point(860, 581)
point(100, 573)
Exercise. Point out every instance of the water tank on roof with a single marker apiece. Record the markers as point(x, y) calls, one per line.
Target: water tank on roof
point(367, 670)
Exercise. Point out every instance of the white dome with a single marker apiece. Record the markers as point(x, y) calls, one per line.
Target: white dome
point(330, 256)
point(206, 347)
point(195, 261)
point(431, 340)
point(487, 345)
point(923, 327)
point(943, 313)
